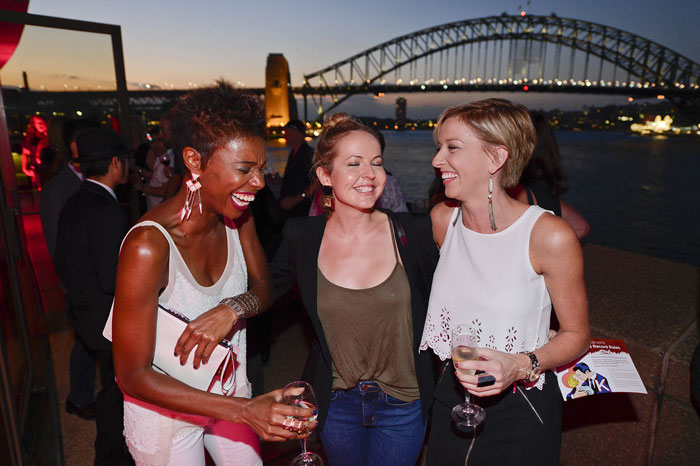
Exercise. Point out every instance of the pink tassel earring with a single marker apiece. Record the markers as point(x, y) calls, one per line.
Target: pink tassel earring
point(193, 187)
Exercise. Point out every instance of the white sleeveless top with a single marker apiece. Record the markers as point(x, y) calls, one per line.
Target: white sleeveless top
point(487, 280)
point(184, 295)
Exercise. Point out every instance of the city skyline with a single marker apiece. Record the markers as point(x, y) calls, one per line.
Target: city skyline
point(176, 45)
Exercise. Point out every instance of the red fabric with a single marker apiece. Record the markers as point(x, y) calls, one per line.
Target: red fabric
point(10, 33)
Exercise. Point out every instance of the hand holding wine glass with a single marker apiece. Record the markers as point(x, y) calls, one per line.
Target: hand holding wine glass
point(301, 394)
point(464, 348)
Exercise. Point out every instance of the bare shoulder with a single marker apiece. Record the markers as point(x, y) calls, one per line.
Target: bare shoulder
point(440, 217)
point(145, 244)
point(553, 240)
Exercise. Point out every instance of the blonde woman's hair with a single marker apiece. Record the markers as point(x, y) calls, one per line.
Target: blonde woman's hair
point(498, 122)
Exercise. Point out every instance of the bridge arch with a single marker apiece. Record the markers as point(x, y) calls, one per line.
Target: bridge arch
point(525, 49)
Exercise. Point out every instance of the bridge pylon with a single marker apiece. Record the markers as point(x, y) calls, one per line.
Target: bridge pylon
point(280, 105)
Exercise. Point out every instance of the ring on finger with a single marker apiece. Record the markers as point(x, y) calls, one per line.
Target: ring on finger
point(288, 422)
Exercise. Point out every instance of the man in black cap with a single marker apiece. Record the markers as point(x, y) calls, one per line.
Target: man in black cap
point(297, 189)
point(91, 228)
point(52, 198)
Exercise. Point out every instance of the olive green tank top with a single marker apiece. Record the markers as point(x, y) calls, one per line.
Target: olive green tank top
point(370, 333)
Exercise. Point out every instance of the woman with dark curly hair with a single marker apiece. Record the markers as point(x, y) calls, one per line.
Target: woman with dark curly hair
point(186, 255)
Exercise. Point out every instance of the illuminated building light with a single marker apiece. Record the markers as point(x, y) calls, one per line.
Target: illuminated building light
point(444, 86)
point(658, 125)
point(630, 99)
point(526, 88)
point(660, 97)
point(79, 113)
point(422, 86)
point(522, 13)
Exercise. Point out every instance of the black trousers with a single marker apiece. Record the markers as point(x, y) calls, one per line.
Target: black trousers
point(110, 447)
point(511, 434)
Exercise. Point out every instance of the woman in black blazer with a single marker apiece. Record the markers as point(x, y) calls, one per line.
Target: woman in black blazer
point(364, 277)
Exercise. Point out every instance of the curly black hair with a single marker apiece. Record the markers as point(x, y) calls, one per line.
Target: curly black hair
point(207, 119)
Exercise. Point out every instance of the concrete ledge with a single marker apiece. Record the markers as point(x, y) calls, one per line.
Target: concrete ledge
point(651, 304)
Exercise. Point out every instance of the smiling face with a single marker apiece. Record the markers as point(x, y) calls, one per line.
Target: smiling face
point(357, 173)
point(233, 175)
point(463, 161)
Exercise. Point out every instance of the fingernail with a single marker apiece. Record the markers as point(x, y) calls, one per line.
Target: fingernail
point(175, 353)
point(315, 412)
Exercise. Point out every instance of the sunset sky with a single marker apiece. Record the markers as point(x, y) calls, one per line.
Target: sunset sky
point(180, 43)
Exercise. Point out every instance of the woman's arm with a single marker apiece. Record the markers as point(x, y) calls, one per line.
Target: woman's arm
point(576, 220)
point(26, 162)
point(440, 216)
point(142, 272)
point(556, 253)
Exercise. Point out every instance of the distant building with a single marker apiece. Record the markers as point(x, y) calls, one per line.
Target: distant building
point(280, 105)
point(400, 112)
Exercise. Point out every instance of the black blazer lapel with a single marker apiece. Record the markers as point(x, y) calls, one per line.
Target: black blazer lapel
point(308, 276)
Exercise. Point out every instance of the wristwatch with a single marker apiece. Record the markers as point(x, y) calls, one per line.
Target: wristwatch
point(535, 369)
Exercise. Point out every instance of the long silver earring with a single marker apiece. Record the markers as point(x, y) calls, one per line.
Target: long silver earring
point(491, 219)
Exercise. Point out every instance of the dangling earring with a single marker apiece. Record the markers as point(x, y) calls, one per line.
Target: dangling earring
point(193, 187)
point(327, 197)
point(491, 219)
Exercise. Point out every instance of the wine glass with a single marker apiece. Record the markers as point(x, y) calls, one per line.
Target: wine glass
point(301, 394)
point(464, 348)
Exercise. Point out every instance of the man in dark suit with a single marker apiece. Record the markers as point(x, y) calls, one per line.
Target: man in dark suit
point(91, 228)
point(52, 198)
point(297, 188)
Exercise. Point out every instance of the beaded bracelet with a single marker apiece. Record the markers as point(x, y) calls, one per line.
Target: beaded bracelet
point(244, 305)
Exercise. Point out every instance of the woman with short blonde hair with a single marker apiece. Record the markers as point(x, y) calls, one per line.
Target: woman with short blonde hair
point(502, 266)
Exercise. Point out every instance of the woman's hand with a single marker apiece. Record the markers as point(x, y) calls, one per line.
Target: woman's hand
point(506, 368)
point(205, 332)
point(270, 419)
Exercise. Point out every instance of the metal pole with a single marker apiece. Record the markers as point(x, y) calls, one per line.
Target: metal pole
point(120, 73)
point(12, 251)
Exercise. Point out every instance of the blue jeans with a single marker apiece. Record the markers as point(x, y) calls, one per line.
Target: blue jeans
point(365, 426)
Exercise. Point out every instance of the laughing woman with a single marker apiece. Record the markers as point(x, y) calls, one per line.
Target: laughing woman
point(502, 266)
point(187, 254)
point(364, 277)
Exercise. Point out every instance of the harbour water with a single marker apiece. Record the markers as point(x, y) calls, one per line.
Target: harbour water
point(637, 192)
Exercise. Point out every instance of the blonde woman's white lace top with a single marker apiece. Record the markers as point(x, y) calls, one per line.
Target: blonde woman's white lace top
point(487, 280)
point(149, 429)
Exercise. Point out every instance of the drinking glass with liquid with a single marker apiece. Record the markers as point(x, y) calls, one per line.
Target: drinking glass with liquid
point(465, 348)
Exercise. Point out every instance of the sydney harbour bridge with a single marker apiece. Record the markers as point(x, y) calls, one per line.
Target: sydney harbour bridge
point(505, 53)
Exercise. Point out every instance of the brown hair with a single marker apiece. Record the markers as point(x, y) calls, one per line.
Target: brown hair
point(207, 119)
point(498, 122)
point(335, 128)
